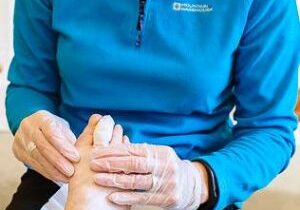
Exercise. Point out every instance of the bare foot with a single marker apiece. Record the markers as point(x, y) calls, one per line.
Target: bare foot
point(84, 194)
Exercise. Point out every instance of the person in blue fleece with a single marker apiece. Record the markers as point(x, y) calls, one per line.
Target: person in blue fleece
point(169, 72)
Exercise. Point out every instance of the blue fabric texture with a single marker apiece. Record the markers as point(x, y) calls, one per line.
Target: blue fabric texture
point(196, 60)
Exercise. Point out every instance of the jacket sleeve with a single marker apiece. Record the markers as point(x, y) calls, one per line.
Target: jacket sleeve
point(33, 73)
point(265, 74)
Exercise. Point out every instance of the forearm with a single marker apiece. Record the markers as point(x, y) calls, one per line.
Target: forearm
point(22, 101)
point(33, 72)
point(249, 163)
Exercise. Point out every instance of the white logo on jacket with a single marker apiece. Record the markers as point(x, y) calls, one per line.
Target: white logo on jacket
point(177, 6)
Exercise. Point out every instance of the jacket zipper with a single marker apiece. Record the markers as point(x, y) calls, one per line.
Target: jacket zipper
point(140, 22)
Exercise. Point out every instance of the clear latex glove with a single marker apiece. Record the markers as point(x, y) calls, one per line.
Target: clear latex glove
point(149, 175)
point(46, 143)
point(83, 193)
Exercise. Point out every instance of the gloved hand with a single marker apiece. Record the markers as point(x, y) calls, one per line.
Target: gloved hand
point(150, 175)
point(45, 142)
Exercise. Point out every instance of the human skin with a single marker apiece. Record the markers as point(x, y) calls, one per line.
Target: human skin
point(84, 194)
point(55, 153)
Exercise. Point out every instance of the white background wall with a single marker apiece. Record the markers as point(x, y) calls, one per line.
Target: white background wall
point(6, 10)
point(6, 7)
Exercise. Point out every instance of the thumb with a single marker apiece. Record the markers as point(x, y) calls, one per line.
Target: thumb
point(86, 137)
point(104, 131)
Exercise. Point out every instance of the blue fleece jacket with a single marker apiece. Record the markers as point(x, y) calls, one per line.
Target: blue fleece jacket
point(170, 72)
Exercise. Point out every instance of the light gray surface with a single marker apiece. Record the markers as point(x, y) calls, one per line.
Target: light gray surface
point(282, 194)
